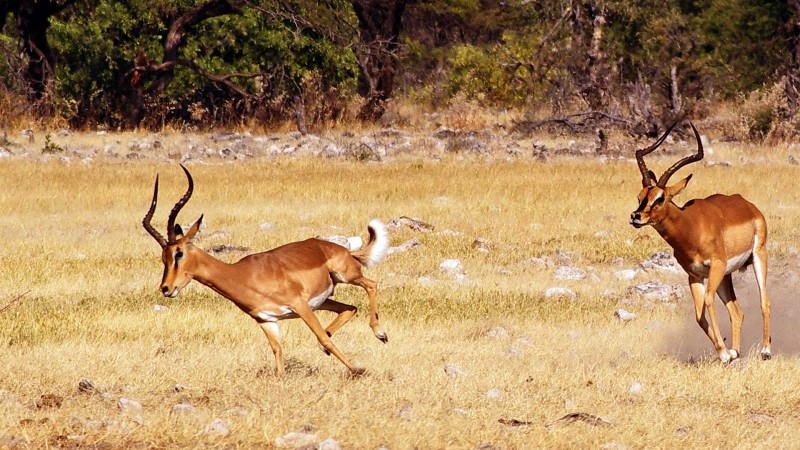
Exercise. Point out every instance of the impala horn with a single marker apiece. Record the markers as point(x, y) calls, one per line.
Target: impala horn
point(178, 206)
point(687, 160)
point(147, 217)
point(172, 215)
point(647, 176)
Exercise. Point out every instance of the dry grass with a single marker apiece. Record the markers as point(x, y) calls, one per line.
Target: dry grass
point(72, 236)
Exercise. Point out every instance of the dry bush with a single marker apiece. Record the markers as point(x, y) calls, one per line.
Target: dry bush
point(765, 116)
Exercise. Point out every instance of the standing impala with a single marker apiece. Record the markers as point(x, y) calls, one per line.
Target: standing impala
point(711, 237)
point(287, 282)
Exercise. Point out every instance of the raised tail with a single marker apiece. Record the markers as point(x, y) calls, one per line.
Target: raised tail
point(378, 244)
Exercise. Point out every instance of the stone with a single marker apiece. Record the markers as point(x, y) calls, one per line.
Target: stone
point(624, 316)
point(454, 372)
point(405, 246)
point(184, 408)
point(295, 440)
point(218, 427)
point(569, 273)
point(127, 404)
point(556, 292)
point(635, 388)
point(451, 266)
point(626, 274)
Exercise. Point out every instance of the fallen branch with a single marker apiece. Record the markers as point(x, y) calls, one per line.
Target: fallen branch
point(582, 121)
point(12, 302)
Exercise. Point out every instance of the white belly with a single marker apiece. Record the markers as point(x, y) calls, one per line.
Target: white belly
point(286, 313)
point(734, 263)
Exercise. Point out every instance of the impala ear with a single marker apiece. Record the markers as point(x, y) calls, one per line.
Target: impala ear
point(178, 230)
point(676, 188)
point(652, 176)
point(193, 229)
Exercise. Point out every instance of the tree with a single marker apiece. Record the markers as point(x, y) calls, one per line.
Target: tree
point(32, 20)
point(379, 26)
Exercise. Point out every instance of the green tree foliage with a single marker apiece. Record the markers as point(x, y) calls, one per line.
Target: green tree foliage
point(270, 60)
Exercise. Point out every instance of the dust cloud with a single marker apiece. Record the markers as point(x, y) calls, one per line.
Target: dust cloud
point(687, 342)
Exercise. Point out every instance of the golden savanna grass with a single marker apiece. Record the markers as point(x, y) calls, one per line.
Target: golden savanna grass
point(71, 235)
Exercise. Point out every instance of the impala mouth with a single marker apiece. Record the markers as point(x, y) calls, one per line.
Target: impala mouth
point(637, 223)
point(172, 294)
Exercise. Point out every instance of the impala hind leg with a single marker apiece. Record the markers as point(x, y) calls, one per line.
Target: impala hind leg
point(304, 312)
point(274, 337)
point(728, 296)
point(760, 269)
point(345, 313)
point(372, 292)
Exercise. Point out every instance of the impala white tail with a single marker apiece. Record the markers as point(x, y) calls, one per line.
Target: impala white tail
point(378, 244)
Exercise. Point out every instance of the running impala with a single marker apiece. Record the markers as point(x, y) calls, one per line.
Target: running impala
point(287, 282)
point(711, 237)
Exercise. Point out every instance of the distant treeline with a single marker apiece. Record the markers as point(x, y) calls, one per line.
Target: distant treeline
point(149, 63)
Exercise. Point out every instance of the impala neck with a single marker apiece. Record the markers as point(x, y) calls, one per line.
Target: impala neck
point(674, 226)
point(217, 275)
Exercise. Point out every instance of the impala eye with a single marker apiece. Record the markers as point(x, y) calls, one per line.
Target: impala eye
point(658, 201)
point(178, 254)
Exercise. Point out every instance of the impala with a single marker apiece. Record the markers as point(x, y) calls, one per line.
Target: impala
point(711, 237)
point(287, 282)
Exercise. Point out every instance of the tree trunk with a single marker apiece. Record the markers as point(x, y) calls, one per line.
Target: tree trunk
point(791, 81)
point(163, 73)
point(379, 26)
point(32, 21)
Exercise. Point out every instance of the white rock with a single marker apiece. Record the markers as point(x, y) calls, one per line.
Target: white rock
point(451, 265)
point(184, 408)
point(218, 427)
point(493, 393)
point(627, 274)
point(405, 246)
point(454, 372)
point(160, 308)
point(127, 404)
point(354, 243)
point(661, 260)
point(266, 226)
point(656, 291)
point(555, 292)
point(497, 332)
point(295, 440)
point(569, 273)
point(329, 444)
point(635, 388)
point(623, 315)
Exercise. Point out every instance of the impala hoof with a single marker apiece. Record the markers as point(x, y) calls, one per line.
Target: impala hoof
point(357, 372)
point(725, 357)
point(734, 354)
point(766, 354)
point(383, 337)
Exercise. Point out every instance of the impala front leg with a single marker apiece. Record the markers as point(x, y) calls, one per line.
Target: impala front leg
point(699, 294)
point(716, 274)
point(728, 296)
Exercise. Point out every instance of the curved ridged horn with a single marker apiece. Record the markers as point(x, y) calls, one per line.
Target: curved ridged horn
point(640, 154)
point(146, 221)
point(178, 206)
point(687, 160)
